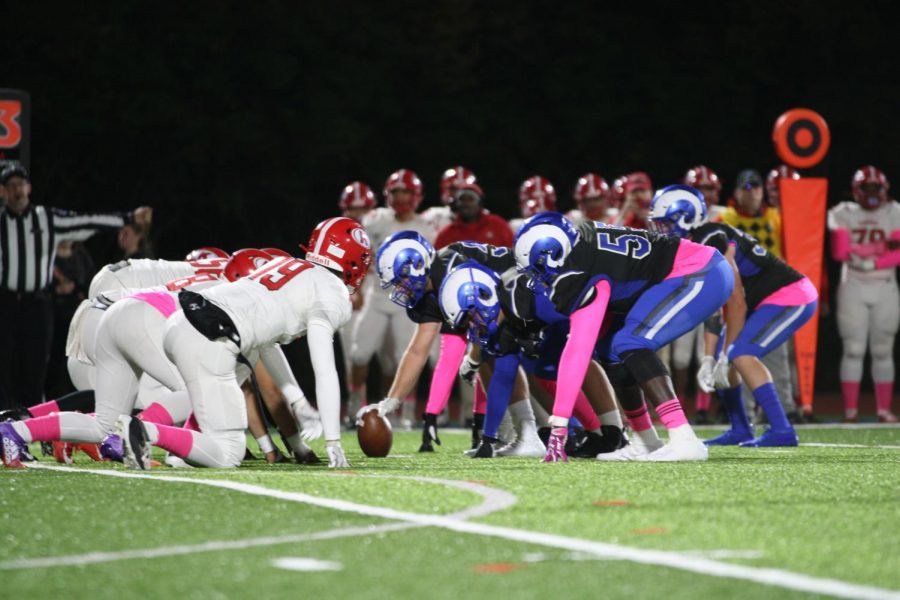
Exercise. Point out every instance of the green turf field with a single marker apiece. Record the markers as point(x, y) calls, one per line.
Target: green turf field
point(765, 523)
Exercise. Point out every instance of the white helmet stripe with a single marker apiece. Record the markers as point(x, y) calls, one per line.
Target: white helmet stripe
point(323, 234)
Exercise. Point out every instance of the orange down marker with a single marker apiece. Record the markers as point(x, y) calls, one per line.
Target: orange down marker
point(801, 140)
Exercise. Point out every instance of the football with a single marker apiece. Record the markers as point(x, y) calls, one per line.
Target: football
point(375, 434)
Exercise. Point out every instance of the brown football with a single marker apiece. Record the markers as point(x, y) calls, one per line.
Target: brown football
point(375, 435)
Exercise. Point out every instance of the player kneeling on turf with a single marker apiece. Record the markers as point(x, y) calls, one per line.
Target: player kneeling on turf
point(286, 299)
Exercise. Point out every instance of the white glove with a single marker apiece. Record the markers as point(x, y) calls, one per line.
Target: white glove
point(384, 408)
point(720, 373)
point(468, 369)
point(705, 378)
point(336, 458)
point(308, 417)
point(862, 264)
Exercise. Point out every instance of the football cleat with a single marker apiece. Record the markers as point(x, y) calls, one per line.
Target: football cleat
point(176, 462)
point(773, 439)
point(11, 446)
point(887, 417)
point(15, 414)
point(135, 443)
point(429, 433)
point(63, 451)
point(487, 448)
point(307, 458)
point(633, 450)
point(526, 444)
point(678, 451)
point(111, 448)
point(589, 445)
point(730, 438)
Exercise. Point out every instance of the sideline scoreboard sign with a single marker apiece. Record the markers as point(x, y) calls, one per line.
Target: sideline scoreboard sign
point(15, 126)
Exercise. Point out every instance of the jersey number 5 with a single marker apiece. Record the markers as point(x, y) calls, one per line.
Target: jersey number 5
point(630, 245)
point(279, 273)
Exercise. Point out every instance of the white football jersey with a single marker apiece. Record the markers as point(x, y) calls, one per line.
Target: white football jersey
point(147, 273)
point(438, 217)
point(866, 227)
point(277, 302)
point(382, 222)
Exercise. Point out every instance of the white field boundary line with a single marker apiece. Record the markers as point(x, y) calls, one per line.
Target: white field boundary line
point(494, 500)
point(870, 446)
point(704, 566)
point(798, 426)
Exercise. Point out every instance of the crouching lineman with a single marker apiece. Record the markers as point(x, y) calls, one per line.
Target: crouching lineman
point(770, 301)
point(662, 285)
point(284, 300)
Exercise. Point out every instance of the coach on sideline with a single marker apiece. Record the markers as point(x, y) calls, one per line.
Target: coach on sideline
point(29, 235)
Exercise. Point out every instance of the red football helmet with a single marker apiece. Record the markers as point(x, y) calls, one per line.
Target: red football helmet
point(206, 252)
point(617, 191)
point(877, 185)
point(357, 195)
point(453, 179)
point(404, 179)
point(590, 185)
point(243, 262)
point(773, 179)
point(702, 176)
point(540, 189)
point(277, 252)
point(341, 244)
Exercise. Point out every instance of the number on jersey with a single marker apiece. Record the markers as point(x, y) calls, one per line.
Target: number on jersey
point(627, 244)
point(865, 235)
point(277, 273)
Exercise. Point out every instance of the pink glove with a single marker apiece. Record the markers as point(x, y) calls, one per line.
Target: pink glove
point(556, 445)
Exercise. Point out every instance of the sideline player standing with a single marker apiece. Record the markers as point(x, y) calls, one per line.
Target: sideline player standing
point(451, 181)
point(865, 237)
point(592, 200)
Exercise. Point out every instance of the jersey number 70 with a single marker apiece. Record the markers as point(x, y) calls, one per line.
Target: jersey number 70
point(279, 272)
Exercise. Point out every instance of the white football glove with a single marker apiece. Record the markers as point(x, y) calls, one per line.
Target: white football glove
point(468, 369)
point(336, 458)
point(862, 264)
point(720, 373)
point(308, 417)
point(705, 378)
point(384, 408)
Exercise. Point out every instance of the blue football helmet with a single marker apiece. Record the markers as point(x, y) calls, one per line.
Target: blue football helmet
point(470, 290)
point(676, 210)
point(542, 245)
point(403, 262)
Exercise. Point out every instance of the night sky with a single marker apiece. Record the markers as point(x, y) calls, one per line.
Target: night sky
point(241, 122)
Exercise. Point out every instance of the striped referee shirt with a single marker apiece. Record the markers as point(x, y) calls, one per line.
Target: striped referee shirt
point(28, 242)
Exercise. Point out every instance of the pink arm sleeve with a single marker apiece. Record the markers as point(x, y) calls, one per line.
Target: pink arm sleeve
point(891, 258)
point(453, 349)
point(584, 328)
point(840, 245)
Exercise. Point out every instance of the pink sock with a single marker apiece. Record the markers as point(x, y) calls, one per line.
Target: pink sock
point(176, 440)
point(191, 423)
point(584, 412)
point(883, 396)
point(850, 391)
point(480, 398)
point(671, 414)
point(42, 410)
point(156, 413)
point(703, 400)
point(639, 418)
point(44, 429)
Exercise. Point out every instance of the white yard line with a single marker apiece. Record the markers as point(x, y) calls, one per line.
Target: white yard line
point(493, 500)
point(878, 446)
point(704, 566)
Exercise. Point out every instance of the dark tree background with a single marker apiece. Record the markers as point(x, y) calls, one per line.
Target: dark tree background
point(240, 122)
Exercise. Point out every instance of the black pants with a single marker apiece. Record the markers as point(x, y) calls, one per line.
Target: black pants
point(26, 328)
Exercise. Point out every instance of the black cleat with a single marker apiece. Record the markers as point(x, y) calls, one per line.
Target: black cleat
point(135, 443)
point(429, 433)
point(309, 458)
point(544, 434)
point(591, 444)
point(486, 448)
point(15, 414)
point(702, 418)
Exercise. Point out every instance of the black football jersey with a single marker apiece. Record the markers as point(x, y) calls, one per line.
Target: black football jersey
point(428, 309)
point(762, 273)
point(631, 260)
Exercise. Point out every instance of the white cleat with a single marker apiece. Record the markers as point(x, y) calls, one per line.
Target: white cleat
point(635, 450)
point(679, 451)
point(136, 446)
point(525, 445)
point(176, 462)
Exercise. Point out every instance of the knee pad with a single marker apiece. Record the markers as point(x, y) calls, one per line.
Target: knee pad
point(644, 365)
point(618, 375)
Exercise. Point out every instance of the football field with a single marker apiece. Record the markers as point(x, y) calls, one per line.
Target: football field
point(820, 520)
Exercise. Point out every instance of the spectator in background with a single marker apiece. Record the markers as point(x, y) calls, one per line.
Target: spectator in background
point(472, 221)
point(133, 241)
point(638, 191)
point(29, 235)
point(749, 213)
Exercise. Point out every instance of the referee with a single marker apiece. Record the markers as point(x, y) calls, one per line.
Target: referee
point(29, 235)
